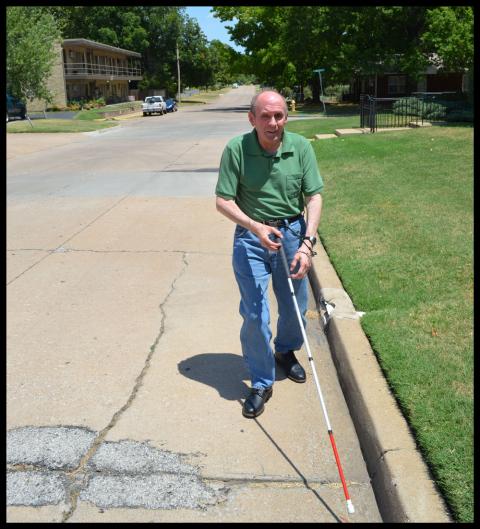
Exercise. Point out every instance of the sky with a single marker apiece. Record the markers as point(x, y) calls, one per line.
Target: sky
point(212, 27)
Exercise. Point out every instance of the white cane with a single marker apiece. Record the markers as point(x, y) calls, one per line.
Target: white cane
point(350, 507)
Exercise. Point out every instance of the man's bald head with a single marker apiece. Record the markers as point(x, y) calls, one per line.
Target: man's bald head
point(268, 94)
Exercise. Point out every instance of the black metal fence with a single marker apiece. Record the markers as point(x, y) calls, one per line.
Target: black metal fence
point(387, 112)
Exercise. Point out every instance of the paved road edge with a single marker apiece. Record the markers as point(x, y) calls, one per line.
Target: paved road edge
point(403, 486)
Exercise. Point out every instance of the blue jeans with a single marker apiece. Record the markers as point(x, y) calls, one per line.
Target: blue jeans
point(253, 265)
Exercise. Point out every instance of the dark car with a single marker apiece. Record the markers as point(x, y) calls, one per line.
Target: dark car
point(171, 105)
point(15, 108)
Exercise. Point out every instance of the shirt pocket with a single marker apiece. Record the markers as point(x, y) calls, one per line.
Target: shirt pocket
point(294, 184)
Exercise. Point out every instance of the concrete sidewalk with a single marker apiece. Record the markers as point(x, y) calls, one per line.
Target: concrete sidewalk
point(136, 360)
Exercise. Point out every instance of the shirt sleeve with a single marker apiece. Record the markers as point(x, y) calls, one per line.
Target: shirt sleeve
point(228, 175)
point(312, 182)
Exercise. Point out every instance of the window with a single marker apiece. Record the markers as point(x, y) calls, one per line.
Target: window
point(397, 84)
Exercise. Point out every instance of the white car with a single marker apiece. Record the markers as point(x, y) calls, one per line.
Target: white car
point(235, 85)
point(154, 105)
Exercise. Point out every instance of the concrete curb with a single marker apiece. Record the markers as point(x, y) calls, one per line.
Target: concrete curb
point(403, 487)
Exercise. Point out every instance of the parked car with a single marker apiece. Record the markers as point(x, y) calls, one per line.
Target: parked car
point(171, 105)
point(235, 85)
point(15, 108)
point(154, 105)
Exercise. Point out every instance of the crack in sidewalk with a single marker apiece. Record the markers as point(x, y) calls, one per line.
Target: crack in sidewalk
point(69, 239)
point(61, 249)
point(78, 475)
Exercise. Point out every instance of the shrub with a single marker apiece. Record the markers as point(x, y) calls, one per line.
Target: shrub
point(57, 108)
point(414, 106)
point(307, 92)
point(79, 104)
point(73, 105)
point(433, 111)
point(336, 90)
point(408, 105)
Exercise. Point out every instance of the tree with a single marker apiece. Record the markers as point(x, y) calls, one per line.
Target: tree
point(287, 43)
point(31, 35)
point(195, 59)
point(222, 56)
point(449, 35)
point(257, 29)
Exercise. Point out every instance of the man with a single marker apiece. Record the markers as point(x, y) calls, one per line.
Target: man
point(266, 178)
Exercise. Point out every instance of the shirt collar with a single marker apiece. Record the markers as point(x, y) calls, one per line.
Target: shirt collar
point(253, 146)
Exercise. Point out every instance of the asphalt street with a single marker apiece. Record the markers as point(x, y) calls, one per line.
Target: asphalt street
point(125, 378)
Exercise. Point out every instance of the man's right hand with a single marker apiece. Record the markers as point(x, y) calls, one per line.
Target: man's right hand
point(229, 208)
point(265, 235)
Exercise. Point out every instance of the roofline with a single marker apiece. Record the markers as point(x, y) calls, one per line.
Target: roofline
point(100, 46)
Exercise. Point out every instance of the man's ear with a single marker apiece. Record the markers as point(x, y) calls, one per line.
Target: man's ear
point(251, 118)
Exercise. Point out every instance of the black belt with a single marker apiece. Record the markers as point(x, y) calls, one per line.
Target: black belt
point(276, 223)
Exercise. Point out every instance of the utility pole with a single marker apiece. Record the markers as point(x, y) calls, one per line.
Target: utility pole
point(179, 97)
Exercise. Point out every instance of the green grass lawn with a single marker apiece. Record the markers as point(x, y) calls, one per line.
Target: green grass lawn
point(58, 125)
point(204, 96)
point(398, 227)
point(96, 113)
point(325, 125)
point(84, 121)
point(332, 110)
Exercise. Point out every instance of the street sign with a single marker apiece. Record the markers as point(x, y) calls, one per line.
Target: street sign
point(319, 71)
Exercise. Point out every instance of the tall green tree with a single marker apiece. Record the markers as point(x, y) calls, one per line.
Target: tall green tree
point(257, 29)
point(31, 35)
point(113, 25)
point(221, 58)
point(164, 28)
point(287, 43)
point(195, 58)
point(449, 35)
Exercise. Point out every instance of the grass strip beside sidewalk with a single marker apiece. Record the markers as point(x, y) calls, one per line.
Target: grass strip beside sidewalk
point(57, 125)
point(398, 228)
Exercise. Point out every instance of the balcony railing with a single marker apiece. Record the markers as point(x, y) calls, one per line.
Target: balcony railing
point(84, 69)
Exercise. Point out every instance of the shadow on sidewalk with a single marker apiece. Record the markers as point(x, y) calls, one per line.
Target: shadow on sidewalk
point(223, 371)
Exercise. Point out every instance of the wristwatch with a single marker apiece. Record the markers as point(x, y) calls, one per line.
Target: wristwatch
point(312, 239)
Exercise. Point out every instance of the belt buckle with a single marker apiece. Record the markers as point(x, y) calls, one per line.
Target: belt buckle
point(276, 223)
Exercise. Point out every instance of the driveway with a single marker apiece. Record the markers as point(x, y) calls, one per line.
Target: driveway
point(125, 378)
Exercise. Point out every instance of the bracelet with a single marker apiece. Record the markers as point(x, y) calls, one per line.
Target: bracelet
point(312, 253)
point(311, 247)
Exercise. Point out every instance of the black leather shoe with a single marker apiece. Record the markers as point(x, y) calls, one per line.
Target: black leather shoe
point(292, 368)
point(255, 403)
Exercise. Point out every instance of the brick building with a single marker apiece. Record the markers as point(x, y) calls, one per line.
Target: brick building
point(398, 84)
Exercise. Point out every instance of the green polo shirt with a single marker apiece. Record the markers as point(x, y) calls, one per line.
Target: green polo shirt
point(268, 186)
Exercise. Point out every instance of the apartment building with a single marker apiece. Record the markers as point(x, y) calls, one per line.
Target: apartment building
point(93, 70)
point(85, 69)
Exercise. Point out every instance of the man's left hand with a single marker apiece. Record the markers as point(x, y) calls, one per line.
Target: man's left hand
point(305, 262)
